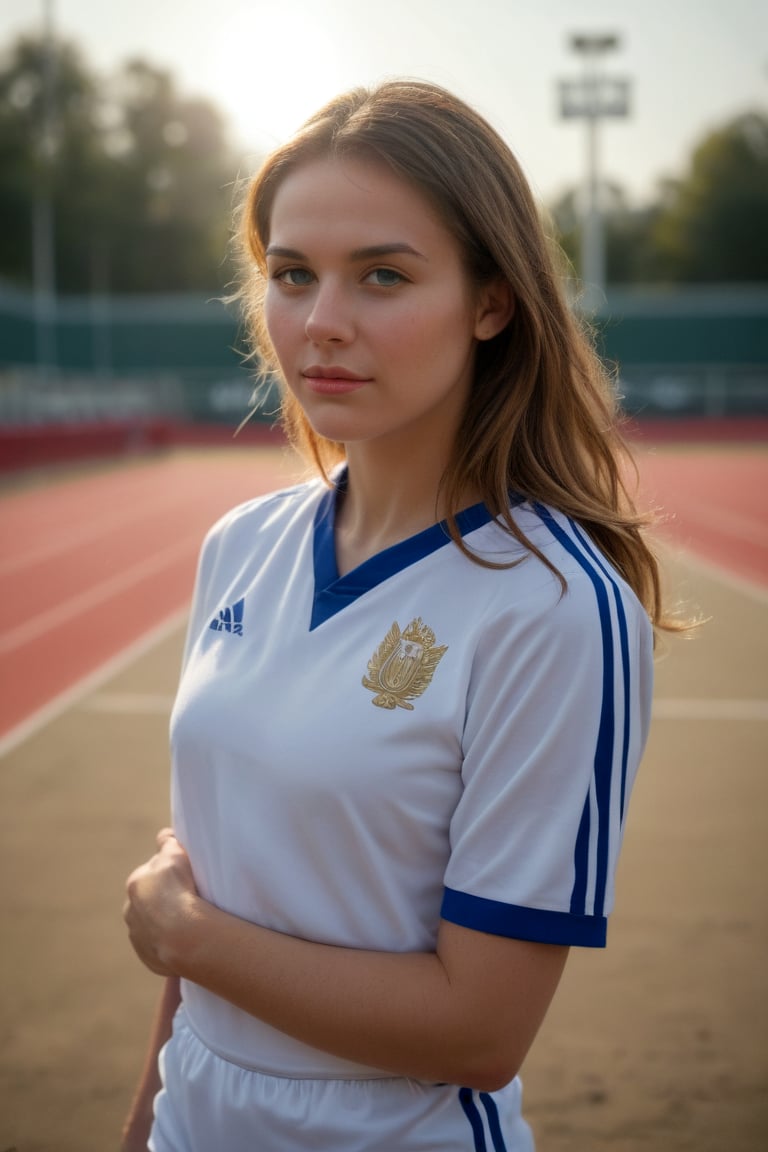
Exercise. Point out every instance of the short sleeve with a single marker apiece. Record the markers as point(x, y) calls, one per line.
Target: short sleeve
point(557, 719)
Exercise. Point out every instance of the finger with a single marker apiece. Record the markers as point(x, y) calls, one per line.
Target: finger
point(131, 880)
point(164, 835)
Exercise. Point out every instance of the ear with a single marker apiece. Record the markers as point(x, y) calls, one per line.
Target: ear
point(495, 308)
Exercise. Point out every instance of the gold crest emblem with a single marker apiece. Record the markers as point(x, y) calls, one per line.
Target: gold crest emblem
point(403, 665)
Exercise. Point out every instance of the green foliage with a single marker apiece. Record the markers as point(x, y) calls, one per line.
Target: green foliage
point(714, 225)
point(709, 225)
point(140, 177)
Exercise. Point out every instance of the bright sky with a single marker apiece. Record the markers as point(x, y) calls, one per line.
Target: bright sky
point(268, 63)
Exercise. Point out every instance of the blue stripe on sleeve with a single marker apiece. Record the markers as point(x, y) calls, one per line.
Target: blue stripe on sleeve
point(624, 643)
point(603, 763)
point(581, 859)
point(518, 923)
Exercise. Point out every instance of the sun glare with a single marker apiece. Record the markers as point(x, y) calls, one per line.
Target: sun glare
point(272, 65)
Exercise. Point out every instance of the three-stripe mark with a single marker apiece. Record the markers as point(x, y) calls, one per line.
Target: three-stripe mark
point(583, 552)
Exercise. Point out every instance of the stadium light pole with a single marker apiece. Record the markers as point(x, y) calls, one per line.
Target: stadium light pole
point(43, 243)
point(592, 98)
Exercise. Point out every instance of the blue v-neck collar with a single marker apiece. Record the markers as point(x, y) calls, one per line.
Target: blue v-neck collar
point(332, 593)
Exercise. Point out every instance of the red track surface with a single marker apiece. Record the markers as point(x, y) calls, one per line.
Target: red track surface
point(89, 564)
point(714, 503)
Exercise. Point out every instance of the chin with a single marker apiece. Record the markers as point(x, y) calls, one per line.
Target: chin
point(338, 429)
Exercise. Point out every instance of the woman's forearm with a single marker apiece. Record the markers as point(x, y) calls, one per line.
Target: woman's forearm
point(465, 1014)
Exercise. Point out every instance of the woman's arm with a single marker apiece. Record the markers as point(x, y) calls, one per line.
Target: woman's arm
point(139, 1120)
point(465, 1014)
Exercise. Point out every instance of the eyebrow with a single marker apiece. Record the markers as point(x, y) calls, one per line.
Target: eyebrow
point(372, 252)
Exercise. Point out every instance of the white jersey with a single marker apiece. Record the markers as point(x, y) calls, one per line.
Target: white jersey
point(356, 757)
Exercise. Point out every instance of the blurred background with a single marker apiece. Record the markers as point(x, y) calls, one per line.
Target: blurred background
point(128, 129)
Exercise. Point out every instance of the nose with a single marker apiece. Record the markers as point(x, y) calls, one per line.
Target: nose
point(330, 317)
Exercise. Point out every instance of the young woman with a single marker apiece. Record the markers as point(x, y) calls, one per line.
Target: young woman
point(417, 688)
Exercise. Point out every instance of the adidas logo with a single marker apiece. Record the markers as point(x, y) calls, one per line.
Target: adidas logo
point(229, 619)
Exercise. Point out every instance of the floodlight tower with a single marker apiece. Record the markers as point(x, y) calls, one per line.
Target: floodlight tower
point(591, 98)
point(43, 258)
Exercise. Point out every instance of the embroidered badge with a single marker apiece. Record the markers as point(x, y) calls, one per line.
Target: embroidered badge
point(403, 665)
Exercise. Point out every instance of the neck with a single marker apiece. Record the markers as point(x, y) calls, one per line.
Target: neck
point(388, 499)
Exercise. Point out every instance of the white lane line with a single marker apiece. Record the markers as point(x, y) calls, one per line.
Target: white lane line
point(82, 535)
point(85, 601)
point(671, 708)
point(129, 703)
point(92, 681)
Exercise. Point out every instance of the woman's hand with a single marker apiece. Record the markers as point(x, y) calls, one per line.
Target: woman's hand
point(161, 897)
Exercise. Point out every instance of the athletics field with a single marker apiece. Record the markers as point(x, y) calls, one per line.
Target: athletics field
point(660, 1042)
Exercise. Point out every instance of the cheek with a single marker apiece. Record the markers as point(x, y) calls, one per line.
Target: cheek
point(271, 316)
point(281, 320)
point(445, 330)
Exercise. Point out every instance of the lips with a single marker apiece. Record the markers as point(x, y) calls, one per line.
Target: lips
point(333, 380)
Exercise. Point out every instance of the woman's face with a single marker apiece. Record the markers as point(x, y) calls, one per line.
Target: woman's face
point(370, 311)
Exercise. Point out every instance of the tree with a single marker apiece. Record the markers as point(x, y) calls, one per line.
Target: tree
point(713, 225)
point(173, 180)
point(708, 225)
point(140, 177)
point(626, 231)
point(37, 156)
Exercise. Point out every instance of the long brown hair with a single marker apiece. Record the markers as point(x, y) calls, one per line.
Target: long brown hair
point(541, 418)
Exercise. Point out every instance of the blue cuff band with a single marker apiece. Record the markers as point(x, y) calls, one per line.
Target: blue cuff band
point(500, 919)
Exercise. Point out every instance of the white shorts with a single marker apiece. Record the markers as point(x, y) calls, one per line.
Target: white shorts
point(208, 1104)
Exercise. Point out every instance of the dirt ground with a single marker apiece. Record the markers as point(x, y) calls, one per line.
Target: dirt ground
point(660, 1042)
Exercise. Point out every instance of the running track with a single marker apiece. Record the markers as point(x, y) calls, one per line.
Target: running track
point(90, 564)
